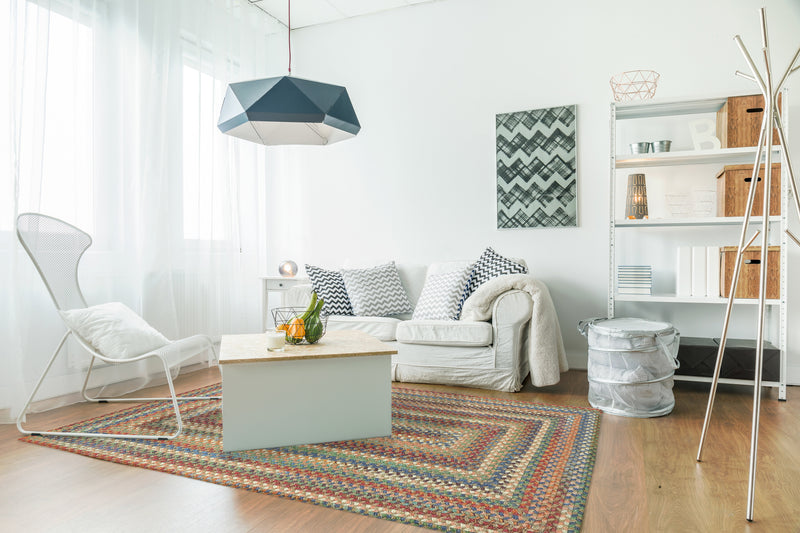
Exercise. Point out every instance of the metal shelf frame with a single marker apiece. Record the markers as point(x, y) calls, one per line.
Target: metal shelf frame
point(725, 156)
point(693, 222)
point(673, 299)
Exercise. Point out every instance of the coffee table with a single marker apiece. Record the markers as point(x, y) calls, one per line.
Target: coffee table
point(337, 389)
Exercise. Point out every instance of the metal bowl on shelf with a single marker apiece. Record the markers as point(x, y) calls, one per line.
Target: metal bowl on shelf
point(661, 146)
point(640, 148)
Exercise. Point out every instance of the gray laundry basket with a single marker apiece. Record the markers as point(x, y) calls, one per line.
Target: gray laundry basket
point(631, 365)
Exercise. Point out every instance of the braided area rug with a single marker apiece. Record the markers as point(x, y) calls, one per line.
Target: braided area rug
point(454, 462)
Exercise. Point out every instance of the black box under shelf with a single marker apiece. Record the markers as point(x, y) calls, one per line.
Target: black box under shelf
point(698, 355)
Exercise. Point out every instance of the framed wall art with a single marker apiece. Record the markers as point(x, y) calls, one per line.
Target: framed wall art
point(537, 180)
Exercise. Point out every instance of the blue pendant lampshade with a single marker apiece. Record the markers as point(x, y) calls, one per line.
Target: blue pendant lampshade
point(288, 110)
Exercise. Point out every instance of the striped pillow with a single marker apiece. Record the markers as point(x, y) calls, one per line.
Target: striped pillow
point(329, 285)
point(489, 265)
point(441, 295)
point(376, 291)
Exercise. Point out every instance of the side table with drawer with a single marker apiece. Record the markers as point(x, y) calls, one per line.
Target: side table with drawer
point(275, 284)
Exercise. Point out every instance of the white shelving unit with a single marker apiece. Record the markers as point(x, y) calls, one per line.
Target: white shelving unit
point(671, 298)
point(695, 222)
point(725, 156)
point(662, 304)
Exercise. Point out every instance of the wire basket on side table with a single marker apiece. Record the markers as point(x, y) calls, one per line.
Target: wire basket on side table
point(299, 331)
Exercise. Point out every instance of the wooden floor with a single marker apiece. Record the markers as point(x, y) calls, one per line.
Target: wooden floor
point(645, 478)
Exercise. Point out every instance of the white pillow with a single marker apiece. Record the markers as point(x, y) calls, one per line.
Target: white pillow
point(441, 294)
point(114, 330)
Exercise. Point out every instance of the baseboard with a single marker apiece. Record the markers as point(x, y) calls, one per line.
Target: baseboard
point(577, 358)
point(793, 374)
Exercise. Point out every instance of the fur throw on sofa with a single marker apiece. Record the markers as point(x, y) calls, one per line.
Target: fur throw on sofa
point(546, 353)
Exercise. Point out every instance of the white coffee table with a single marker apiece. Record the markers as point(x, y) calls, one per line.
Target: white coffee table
point(337, 389)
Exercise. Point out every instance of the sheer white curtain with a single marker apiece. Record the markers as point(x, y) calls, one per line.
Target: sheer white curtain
point(112, 108)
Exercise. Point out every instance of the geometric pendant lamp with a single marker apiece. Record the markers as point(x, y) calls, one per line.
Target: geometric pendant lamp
point(288, 110)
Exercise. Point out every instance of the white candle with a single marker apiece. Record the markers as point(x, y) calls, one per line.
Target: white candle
point(275, 340)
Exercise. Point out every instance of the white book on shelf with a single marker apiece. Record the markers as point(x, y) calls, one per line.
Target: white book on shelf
point(683, 271)
point(698, 271)
point(712, 272)
point(634, 290)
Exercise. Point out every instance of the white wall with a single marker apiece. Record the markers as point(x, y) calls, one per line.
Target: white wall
point(418, 183)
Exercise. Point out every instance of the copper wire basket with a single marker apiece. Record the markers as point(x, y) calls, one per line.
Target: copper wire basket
point(298, 331)
point(634, 85)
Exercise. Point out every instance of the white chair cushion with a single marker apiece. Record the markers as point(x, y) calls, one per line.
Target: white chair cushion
point(114, 330)
point(380, 327)
point(445, 333)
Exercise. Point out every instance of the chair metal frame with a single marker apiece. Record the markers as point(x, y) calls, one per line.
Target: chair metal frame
point(80, 242)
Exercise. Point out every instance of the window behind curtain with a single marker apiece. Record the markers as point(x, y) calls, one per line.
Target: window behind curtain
point(66, 77)
point(205, 187)
point(6, 171)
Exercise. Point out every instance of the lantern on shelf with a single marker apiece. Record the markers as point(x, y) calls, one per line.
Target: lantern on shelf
point(636, 198)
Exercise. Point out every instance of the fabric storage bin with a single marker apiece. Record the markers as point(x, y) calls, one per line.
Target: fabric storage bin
point(631, 365)
point(698, 357)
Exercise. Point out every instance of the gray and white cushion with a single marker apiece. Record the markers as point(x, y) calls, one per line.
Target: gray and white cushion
point(376, 291)
point(441, 295)
point(329, 285)
point(488, 266)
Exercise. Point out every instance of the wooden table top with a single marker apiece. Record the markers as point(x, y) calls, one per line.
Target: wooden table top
point(252, 348)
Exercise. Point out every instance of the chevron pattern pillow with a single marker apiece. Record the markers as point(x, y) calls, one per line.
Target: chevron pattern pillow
point(489, 265)
point(441, 295)
point(329, 285)
point(376, 291)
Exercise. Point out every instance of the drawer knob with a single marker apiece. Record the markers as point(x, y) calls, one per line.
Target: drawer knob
point(748, 180)
point(752, 261)
point(755, 110)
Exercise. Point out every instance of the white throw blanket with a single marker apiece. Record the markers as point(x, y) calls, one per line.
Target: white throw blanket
point(546, 353)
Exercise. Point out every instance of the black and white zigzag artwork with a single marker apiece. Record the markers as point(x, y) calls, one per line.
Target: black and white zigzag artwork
point(537, 180)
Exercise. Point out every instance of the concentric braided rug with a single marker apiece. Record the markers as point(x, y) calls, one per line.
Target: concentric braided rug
point(454, 462)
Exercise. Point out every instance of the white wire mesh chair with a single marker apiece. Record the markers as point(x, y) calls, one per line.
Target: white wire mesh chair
point(56, 248)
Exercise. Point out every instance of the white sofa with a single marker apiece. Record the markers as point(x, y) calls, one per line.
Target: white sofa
point(490, 354)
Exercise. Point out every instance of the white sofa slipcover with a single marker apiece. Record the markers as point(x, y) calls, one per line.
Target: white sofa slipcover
point(445, 333)
point(489, 354)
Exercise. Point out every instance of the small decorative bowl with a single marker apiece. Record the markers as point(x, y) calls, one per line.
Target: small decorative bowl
point(297, 333)
point(640, 148)
point(661, 146)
